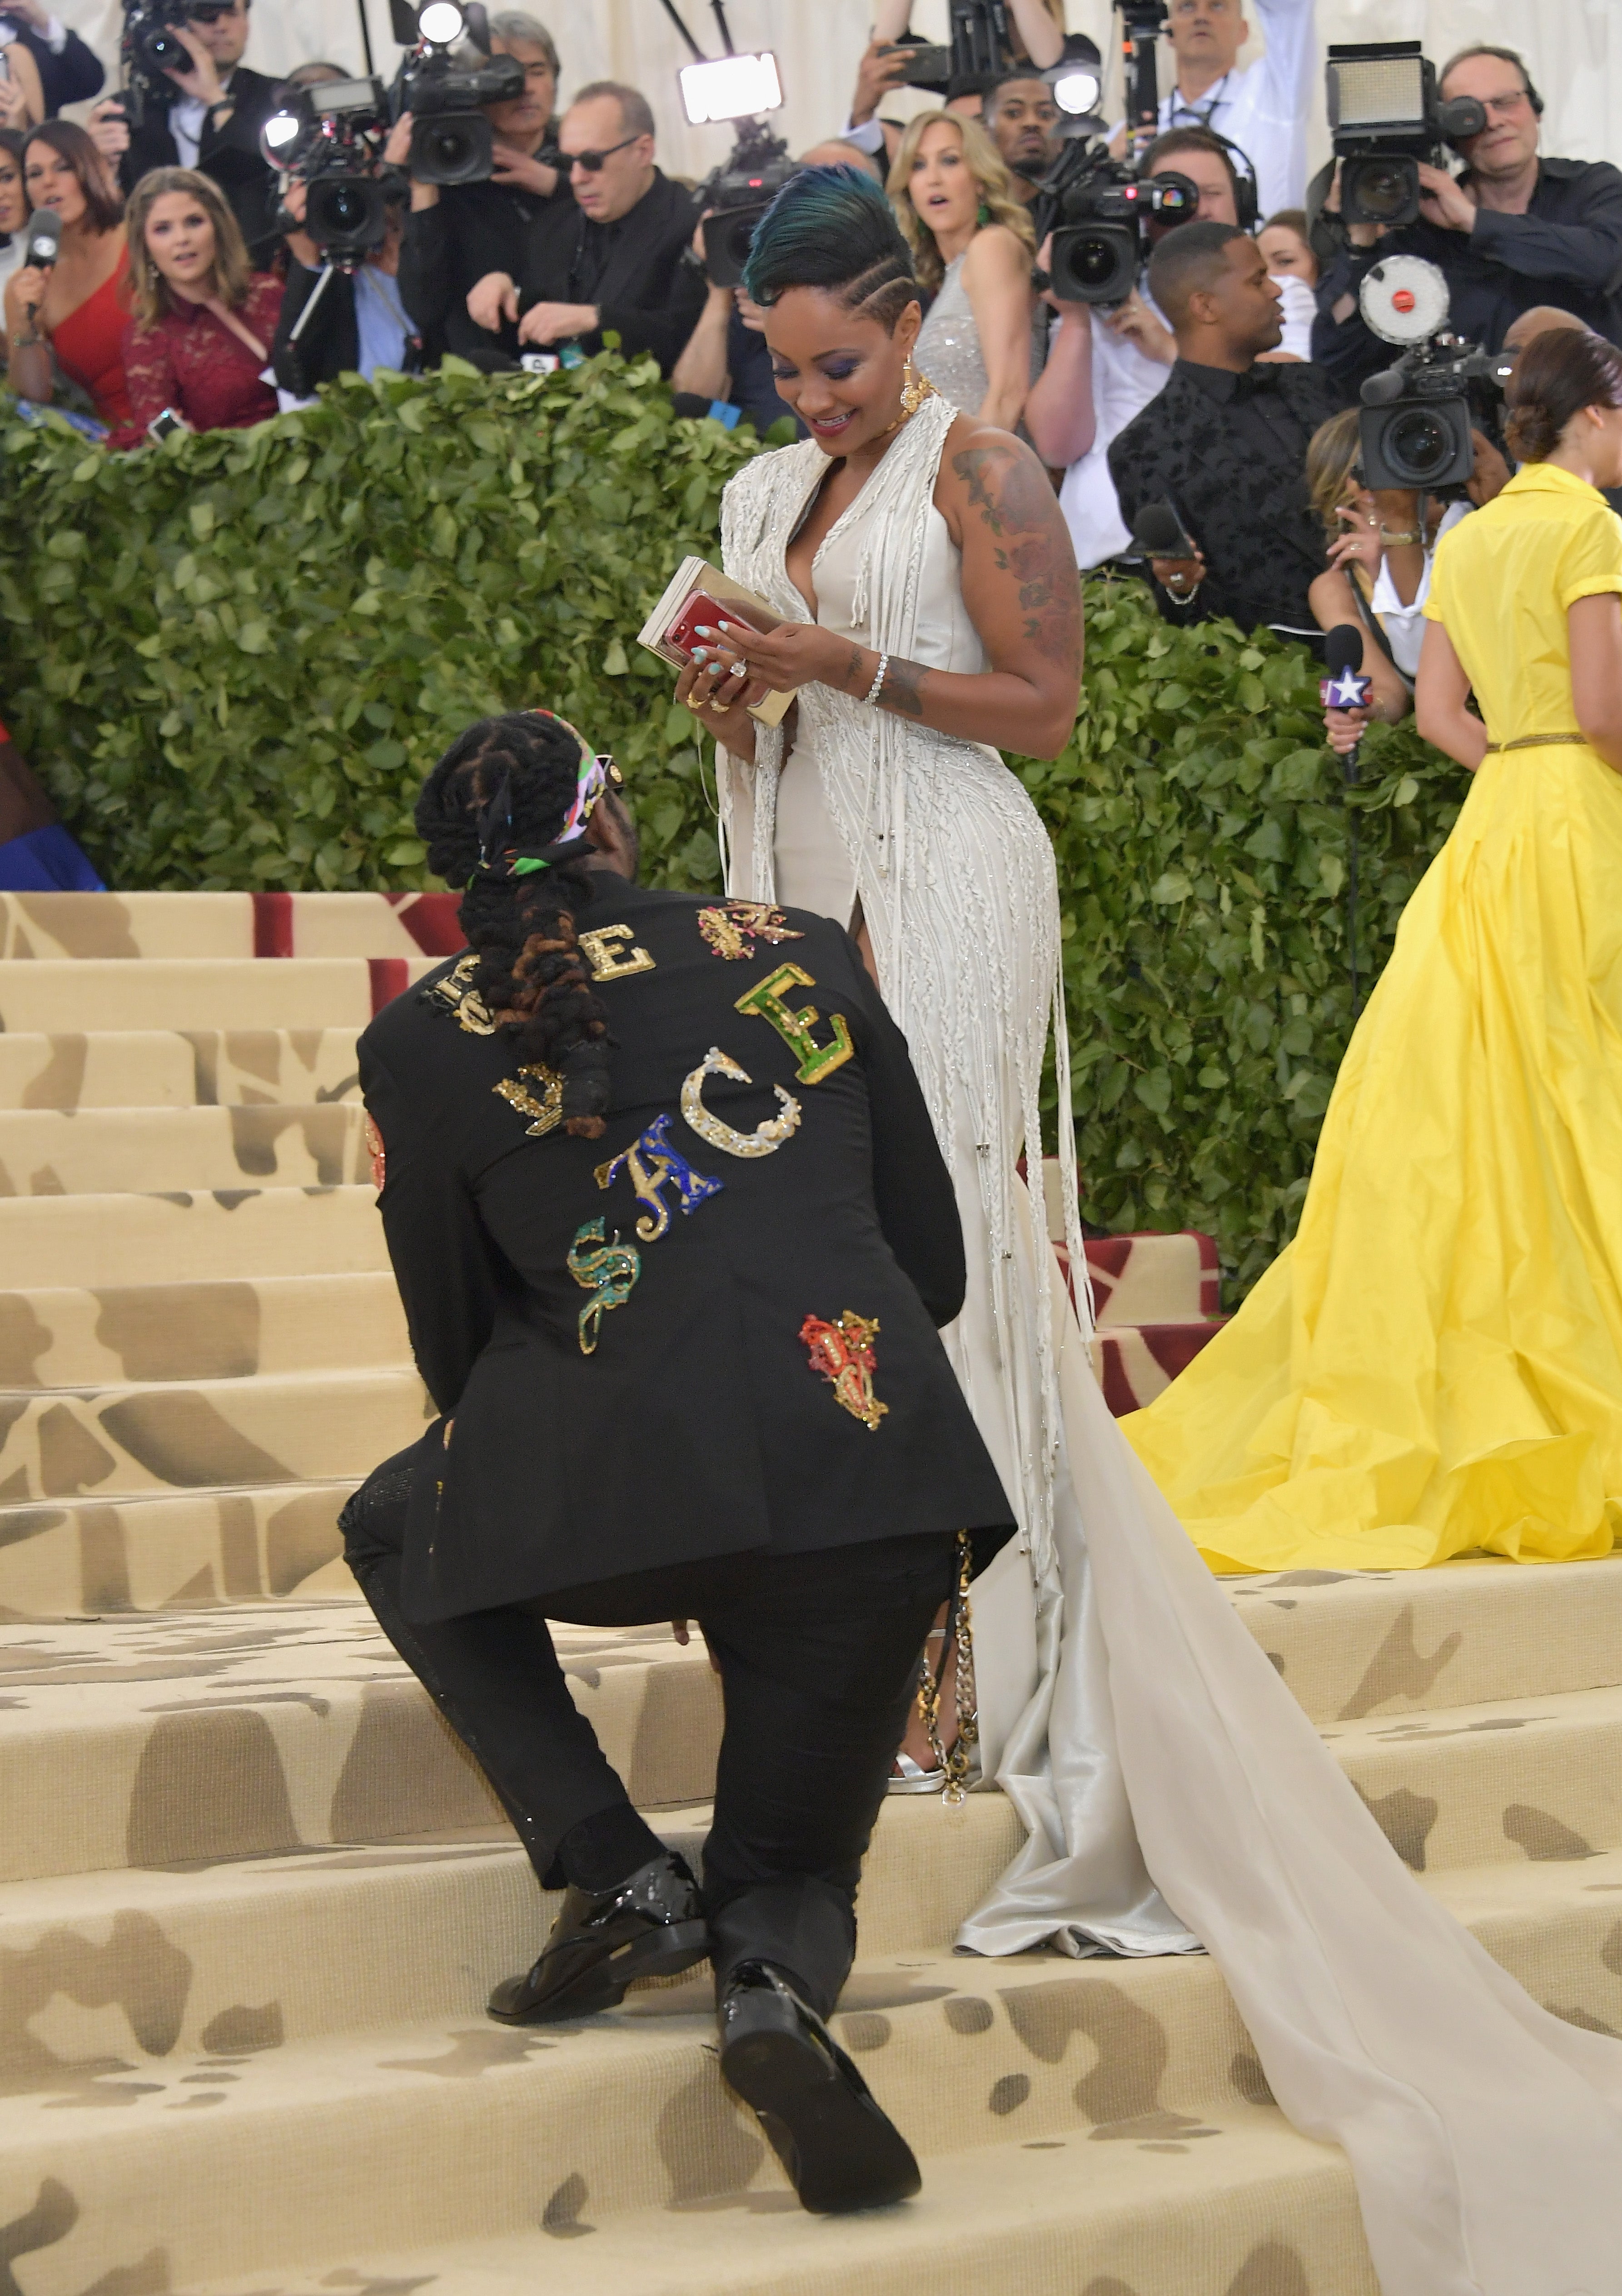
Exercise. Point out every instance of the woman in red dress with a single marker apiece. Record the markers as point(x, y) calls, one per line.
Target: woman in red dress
point(203, 323)
point(74, 309)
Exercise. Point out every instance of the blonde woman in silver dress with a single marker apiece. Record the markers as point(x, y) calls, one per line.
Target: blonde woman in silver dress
point(929, 609)
point(972, 246)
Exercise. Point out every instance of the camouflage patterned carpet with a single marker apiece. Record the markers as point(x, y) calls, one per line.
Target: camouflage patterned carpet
point(252, 1896)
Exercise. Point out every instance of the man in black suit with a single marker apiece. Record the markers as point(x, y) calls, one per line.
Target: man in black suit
point(613, 260)
point(673, 1237)
point(69, 72)
point(211, 124)
point(1225, 444)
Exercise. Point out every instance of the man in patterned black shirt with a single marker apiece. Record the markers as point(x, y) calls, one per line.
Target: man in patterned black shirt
point(1225, 444)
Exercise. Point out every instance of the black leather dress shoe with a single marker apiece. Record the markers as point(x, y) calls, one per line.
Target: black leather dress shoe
point(819, 2115)
point(651, 1926)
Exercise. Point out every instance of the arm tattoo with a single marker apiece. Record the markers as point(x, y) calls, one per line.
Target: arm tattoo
point(902, 688)
point(851, 676)
point(1014, 498)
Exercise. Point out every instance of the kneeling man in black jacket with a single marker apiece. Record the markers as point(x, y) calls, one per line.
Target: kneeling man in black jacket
point(673, 1237)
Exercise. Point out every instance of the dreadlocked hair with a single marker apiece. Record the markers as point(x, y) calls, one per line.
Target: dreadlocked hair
point(532, 975)
point(833, 228)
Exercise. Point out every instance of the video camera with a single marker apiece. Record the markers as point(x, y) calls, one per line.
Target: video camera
point(1385, 118)
point(1099, 213)
point(451, 140)
point(330, 138)
point(741, 189)
point(149, 50)
point(1415, 429)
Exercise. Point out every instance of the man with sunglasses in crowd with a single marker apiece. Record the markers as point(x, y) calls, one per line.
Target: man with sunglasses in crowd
point(212, 124)
point(613, 260)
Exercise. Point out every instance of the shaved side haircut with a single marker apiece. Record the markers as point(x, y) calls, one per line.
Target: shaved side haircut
point(1187, 259)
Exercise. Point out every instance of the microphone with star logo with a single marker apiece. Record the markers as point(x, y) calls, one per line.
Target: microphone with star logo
point(1345, 687)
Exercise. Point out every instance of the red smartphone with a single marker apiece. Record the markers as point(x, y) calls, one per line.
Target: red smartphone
point(699, 609)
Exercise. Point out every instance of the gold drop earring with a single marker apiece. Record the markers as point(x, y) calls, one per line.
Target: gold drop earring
point(915, 388)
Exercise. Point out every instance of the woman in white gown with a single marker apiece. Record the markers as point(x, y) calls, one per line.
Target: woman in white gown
point(929, 604)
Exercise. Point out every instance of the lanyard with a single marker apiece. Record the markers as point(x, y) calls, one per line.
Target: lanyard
point(1178, 113)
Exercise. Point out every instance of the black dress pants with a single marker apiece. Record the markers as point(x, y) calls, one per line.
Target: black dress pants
point(818, 1656)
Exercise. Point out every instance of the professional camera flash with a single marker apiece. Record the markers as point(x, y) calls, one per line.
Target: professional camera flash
point(443, 22)
point(281, 129)
point(731, 87)
point(1077, 91)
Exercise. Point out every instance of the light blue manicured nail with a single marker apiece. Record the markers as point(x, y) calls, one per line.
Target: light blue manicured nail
point(704, 631)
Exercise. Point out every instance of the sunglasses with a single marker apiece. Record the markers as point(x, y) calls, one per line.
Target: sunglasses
point(592, 160)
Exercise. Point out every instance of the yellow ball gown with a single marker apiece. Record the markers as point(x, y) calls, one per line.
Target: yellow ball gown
point(1434, 1363)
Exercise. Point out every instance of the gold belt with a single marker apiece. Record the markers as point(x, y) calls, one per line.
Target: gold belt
point(1538, 742)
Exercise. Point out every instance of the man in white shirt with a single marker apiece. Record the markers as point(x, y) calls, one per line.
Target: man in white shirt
point(1263, 108)
point(1104, 366)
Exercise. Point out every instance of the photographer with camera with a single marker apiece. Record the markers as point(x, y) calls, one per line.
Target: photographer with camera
point(617, 262)
point(1264, 107)
point(1514, 230)
point(725, 364)
point(1224, 445)
point(69, 72)
point(204, 322)
point(458, 233)
point(1106, 361)
point(193, 103)
point(359, 323)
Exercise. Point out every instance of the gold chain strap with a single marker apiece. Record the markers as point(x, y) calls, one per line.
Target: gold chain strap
point(955, 1764)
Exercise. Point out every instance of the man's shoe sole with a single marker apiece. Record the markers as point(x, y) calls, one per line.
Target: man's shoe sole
point(840, 2151)
point(662, 1953)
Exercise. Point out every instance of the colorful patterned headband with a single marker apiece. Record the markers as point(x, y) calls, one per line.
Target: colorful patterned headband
point(598, 771)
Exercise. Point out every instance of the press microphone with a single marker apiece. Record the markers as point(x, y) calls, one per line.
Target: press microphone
point(1157, 532)
point(1345, 687)
point(42, 242)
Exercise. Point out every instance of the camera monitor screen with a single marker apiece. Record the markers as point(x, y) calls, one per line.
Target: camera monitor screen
point(348, 96)
point(1376, 92)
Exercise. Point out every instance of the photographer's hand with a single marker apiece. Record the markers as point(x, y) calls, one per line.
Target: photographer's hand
point(1134, 323)
point(524, 173)
point(108, 128)
point(491, 300)
point(300, 245)
point(881, 68)
point(14, 112)
point(199, 78)
point(553, 322)
point(1444, 201)
point(1358, 235)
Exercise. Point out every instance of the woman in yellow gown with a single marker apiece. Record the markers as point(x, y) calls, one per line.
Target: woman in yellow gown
point(1434, 1363)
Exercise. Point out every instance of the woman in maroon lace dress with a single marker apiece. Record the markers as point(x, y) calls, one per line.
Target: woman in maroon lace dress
point(73, 309)
point(203, 321)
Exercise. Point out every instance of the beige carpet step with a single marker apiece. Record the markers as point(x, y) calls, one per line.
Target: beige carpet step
point(55, 994)
point(211, 1735)
point(110, 1240)
point(1264, 2213)
point(487, 2135)
point(165, 1067)
point(45, 1153)
point(1355, 1644)
point(1492, 1783)
point(291, 1427)
point(220, 1330)
point(223, 924)
point(172, 1551)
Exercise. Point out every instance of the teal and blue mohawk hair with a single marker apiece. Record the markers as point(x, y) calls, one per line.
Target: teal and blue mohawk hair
point(833, 228)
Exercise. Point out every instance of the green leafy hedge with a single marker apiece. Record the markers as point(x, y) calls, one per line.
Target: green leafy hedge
point(233, 657)
point(1202, 833)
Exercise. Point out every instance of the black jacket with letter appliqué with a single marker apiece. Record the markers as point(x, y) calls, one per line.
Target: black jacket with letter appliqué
point(633, 1336)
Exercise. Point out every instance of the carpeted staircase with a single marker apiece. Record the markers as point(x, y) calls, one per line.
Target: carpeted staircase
point(246, 1877)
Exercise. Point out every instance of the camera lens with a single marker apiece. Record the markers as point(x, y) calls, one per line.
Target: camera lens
point(1383, 191)
point(344, 207)
point(1420, 444)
